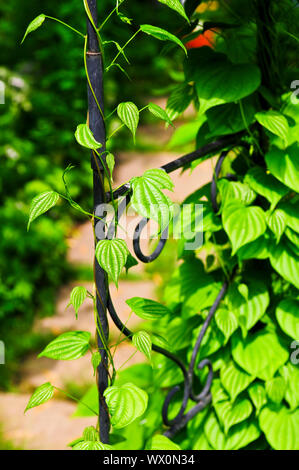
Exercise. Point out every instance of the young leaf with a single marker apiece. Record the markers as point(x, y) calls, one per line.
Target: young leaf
point(159, 113)
point(176, 6)
point(41, 204)
point(162, 35)
point(68, 346)
point(243, 224)
point(128, 113)
point(147, 309)
point(42, 394)
point(142, 341)
point(226, 322)
point(110, 160)
point(276, 389)
point(275, 122)
point(126, 403)
point(77, 297)
point(277, 223)
point(286, 263)
point(287, 314)
point(112, 256)
point(95, 361)
point(257, 395)
point(35, 24)
point(85, 137)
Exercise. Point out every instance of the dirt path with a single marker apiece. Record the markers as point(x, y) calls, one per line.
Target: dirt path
point(51, 426)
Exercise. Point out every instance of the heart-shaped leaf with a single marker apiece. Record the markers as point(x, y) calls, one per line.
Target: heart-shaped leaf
point(265, 185)
point(42, 394)
point(68, 346)
point(41, 204)
point(128, 113)
point(112, 256)
point(226, 322)
point(160, 442)
point(280, 427)
point(243, 224)
point(85, 137)
point(257, 395)
point(277, 223)
point(77, 297)
point(230, 414)
point(162, 35)
point(125, 403)
point(142, 341)
point(275, 122)
point(260, 354)
point(286, 263)
point(234, 379)
point(276, 389)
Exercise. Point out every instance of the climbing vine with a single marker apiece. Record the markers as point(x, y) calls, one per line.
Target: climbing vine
point(227, 330)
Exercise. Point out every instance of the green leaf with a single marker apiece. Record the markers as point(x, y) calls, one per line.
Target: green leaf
point(91, 445)
point(230, 414)
point(148, 200)
point(176, 6)
point(277, 223)
point(128, 113)
point(40, 395)
point(240, 436)
point(160, 442)
point(142, 341)
point(231, 192)
point(291, 214)
point(159, 113)
point(41, 204)
point(290, 373)
point(35, 24)
point(147, 309)
point(260, 354)
point(162, 35)
point(258, 249)
point(234, 379)
point(276, 389)
point(131, 262)
point(179, 100)
point(125, 403)
point(265, 185)
point(243, 224)
point(284, 261)
point(215, 71)
point(68, 346)
point(249, 311)
point(85, 137)
point(287, 314)
point(275, 122)
point(110, 160)
point(284, 165)
point(112, 256)
point(280, 427)
point(185, 134)
point(226, 322)
point(77, 297)
point(257, 395)
point(95, 361)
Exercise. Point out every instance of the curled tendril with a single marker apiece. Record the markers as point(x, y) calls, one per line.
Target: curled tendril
point(136, 243)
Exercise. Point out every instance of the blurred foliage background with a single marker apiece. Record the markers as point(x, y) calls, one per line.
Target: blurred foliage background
point(45, 99)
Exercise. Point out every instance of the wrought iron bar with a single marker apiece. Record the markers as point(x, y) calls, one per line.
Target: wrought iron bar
point(94, 62)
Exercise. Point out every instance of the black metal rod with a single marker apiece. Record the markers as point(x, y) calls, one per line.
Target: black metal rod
point(94, 62)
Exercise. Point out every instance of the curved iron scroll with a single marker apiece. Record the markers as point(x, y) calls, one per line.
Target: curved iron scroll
point(203, 398)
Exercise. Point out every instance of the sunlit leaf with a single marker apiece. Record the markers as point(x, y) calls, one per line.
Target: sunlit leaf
point(274, 122)
point(162, 35)
point(68, 346)
point(112, 256)
point(142, 341)
point(35, 24)
point(41, 204)
point(280, 426)
point(77, 297)
point(176, 6)
point(85, 137)
point(41, 395)
point(287, 314)
point(128, 113)
point(147, 309)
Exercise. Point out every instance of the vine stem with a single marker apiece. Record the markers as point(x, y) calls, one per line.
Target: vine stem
point(65, 24)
